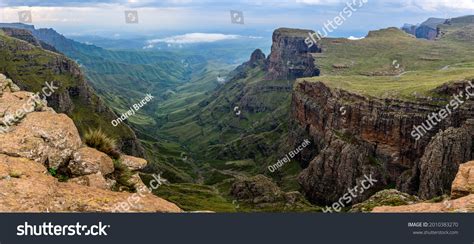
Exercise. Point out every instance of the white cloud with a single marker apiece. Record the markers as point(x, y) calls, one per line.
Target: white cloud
point(355, 38)
point(194, 38)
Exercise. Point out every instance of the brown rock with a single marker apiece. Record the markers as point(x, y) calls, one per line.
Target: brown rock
point(463, 184)
point(36, 191)
point(133, 163)
point(464, 204)
point(258, 189)
point(380, 129)
point(290, 57)
point(93, 180)
point(90, 161)
point(45, 137)
point(441, 160)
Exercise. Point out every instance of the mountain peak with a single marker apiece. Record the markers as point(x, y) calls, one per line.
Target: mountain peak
point(290, 57)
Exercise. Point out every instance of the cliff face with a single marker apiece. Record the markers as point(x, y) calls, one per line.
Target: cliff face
point(462, 196)
point(74, 97)
point(39, 145)
point(356, 136)
point(290, 57)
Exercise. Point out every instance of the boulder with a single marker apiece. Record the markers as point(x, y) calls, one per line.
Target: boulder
point(258, 189)
point(463, 184)
point(31, 189)
point(45, 137)
point(94, 180)
point(90, 161)
point(133, 163)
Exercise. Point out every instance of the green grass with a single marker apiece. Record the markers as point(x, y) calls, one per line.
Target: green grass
point(122, 175)
point(192, 197)
point(30, 67)
point(97, 139)
point(375, 55)
point(407, 86)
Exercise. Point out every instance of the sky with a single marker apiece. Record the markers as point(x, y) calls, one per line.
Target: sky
point(190, 20)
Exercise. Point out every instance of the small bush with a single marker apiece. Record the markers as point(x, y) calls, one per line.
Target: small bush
point(100, 141)
point(122, 175)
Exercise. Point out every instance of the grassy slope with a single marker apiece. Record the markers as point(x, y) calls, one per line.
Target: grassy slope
point(31, 68)
point(391, 63)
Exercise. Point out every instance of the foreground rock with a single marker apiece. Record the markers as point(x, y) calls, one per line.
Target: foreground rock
point(460, 205)
point(462, 196)
point(25, 186)
point(463, 184)
point(133, 163)
point(90, 161)
point(39, 147)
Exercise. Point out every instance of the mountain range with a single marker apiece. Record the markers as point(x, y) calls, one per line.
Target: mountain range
point(214, 129)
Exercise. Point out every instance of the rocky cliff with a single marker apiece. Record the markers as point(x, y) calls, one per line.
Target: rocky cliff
point(355, 136)
point(290, 57)
point(461, 200)
point(45, 167)
point(24, 59)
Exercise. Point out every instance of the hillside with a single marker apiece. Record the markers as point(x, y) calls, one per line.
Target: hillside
point(31, 66)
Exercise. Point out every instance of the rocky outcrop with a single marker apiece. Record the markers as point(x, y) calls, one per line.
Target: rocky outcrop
point(88, 161)
point(354, 136)
point(134, 163)
point(262, 193)
point(440, 162)
point(463, 184)
point(290, 56)
point(462, 196)
point(43, 148)
point(426, 30)
point(257, 190)
point(389, 197)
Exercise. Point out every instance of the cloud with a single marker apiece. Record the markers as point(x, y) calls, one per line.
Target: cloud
point(194, 38)
point(355, 38)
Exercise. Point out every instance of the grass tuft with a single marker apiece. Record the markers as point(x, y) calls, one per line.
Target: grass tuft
point(100, 141)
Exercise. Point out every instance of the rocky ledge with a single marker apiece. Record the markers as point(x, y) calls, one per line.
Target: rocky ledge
point(462, 196)
point(37, 143)
point(353, 135)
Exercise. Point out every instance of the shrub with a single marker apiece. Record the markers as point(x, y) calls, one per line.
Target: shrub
point(123, 175)
point(100, 141)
